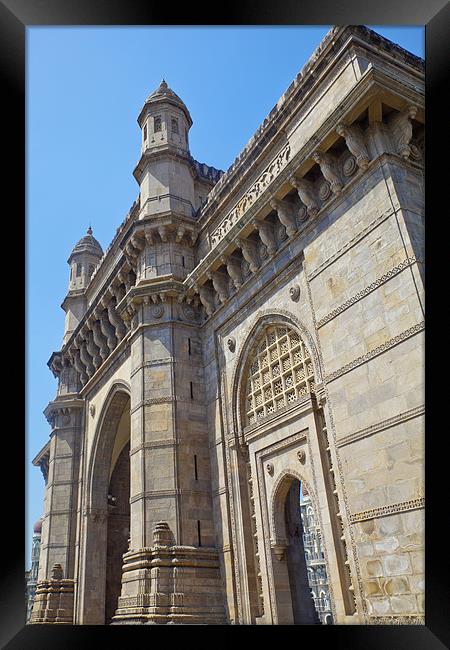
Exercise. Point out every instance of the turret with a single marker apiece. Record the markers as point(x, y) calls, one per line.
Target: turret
point(164, 171)
point(82, 261)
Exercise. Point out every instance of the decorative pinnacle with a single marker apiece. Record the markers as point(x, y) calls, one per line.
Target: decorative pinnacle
point(89, 230)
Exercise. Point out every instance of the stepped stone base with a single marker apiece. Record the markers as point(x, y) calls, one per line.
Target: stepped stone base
point(168, 584)
point(54, 600)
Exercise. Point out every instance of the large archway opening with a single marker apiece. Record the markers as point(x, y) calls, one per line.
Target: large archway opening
point(108, 513)
point(118, 518)
point(300, 576)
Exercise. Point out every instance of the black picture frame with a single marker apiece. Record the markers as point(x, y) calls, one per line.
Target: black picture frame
point(15, 17)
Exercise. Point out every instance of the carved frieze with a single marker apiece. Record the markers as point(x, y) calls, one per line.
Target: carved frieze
point(252, 194)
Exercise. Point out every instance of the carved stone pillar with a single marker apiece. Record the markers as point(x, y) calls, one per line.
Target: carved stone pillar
point(305, 191)
point(328, 167)
point(171, 573)
point(354, 139)
point(54, 599)
point(181, 584)
point(285, 215)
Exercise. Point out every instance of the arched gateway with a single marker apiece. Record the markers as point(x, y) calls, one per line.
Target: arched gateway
point(106, 515)
point(283, 445)
point(237, 435)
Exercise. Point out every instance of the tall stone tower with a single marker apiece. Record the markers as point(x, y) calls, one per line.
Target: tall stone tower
point(170, 496)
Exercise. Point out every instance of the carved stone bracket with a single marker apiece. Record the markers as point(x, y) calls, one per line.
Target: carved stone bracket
point(306, 193)
point(328, 166)
point(354, 139)
point(401, 129)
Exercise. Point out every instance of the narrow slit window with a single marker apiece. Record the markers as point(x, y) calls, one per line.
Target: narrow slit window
point(199, 533)
point(174, 125)
point(79, 269)
point(195, 467)
point(192, 390)
point(189, 346)
point(157, 124)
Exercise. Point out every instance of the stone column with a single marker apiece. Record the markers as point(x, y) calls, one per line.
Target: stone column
point(54, 594)
point(171, 575)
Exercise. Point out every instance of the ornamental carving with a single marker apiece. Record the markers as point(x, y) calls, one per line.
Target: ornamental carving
point(301, 455)
point(280, 373)
point(231, 344)
point(294, 292)
point(252, 194)
point(354, 139)
point(349, 166)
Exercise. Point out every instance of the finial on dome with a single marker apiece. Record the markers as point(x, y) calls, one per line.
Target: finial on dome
point(163, 84)
point(89, 230)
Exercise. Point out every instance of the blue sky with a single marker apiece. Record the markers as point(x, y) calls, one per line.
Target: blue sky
point(85, 88)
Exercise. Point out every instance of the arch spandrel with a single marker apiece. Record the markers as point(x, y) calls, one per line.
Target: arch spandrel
point(265, 320)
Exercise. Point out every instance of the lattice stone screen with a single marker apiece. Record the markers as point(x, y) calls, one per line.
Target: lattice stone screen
point(281, 372)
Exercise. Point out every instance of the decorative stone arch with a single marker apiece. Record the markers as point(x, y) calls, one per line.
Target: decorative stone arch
point(277, 498)
point(104, 436)
point(251, 337)
point(91, 605)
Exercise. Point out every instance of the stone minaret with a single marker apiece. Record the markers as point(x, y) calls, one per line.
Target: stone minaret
point(170, 493)
point(82, 261)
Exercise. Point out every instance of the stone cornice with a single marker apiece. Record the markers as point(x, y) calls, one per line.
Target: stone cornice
point(37, 460)
point(362, 93)
point(327, 53)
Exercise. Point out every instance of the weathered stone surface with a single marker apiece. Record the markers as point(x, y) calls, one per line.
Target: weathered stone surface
point(252, 331)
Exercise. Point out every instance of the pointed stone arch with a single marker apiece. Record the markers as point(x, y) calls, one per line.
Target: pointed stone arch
point(277, 498)
point(251, 337)
point(95, 510)
point(102, 446)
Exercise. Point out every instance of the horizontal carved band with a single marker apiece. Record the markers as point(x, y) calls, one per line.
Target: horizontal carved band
point(412, 619)
point(162, 494)
point(381, 426)
point(383, 511)
point(376, 351)
point(361, 294)
point(250, 196)
point(154, 444)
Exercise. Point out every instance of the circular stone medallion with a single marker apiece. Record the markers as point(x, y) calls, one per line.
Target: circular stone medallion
point(324, 190)
point(349, 166)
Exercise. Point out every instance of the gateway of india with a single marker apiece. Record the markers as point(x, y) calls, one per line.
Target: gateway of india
point(250, 339)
